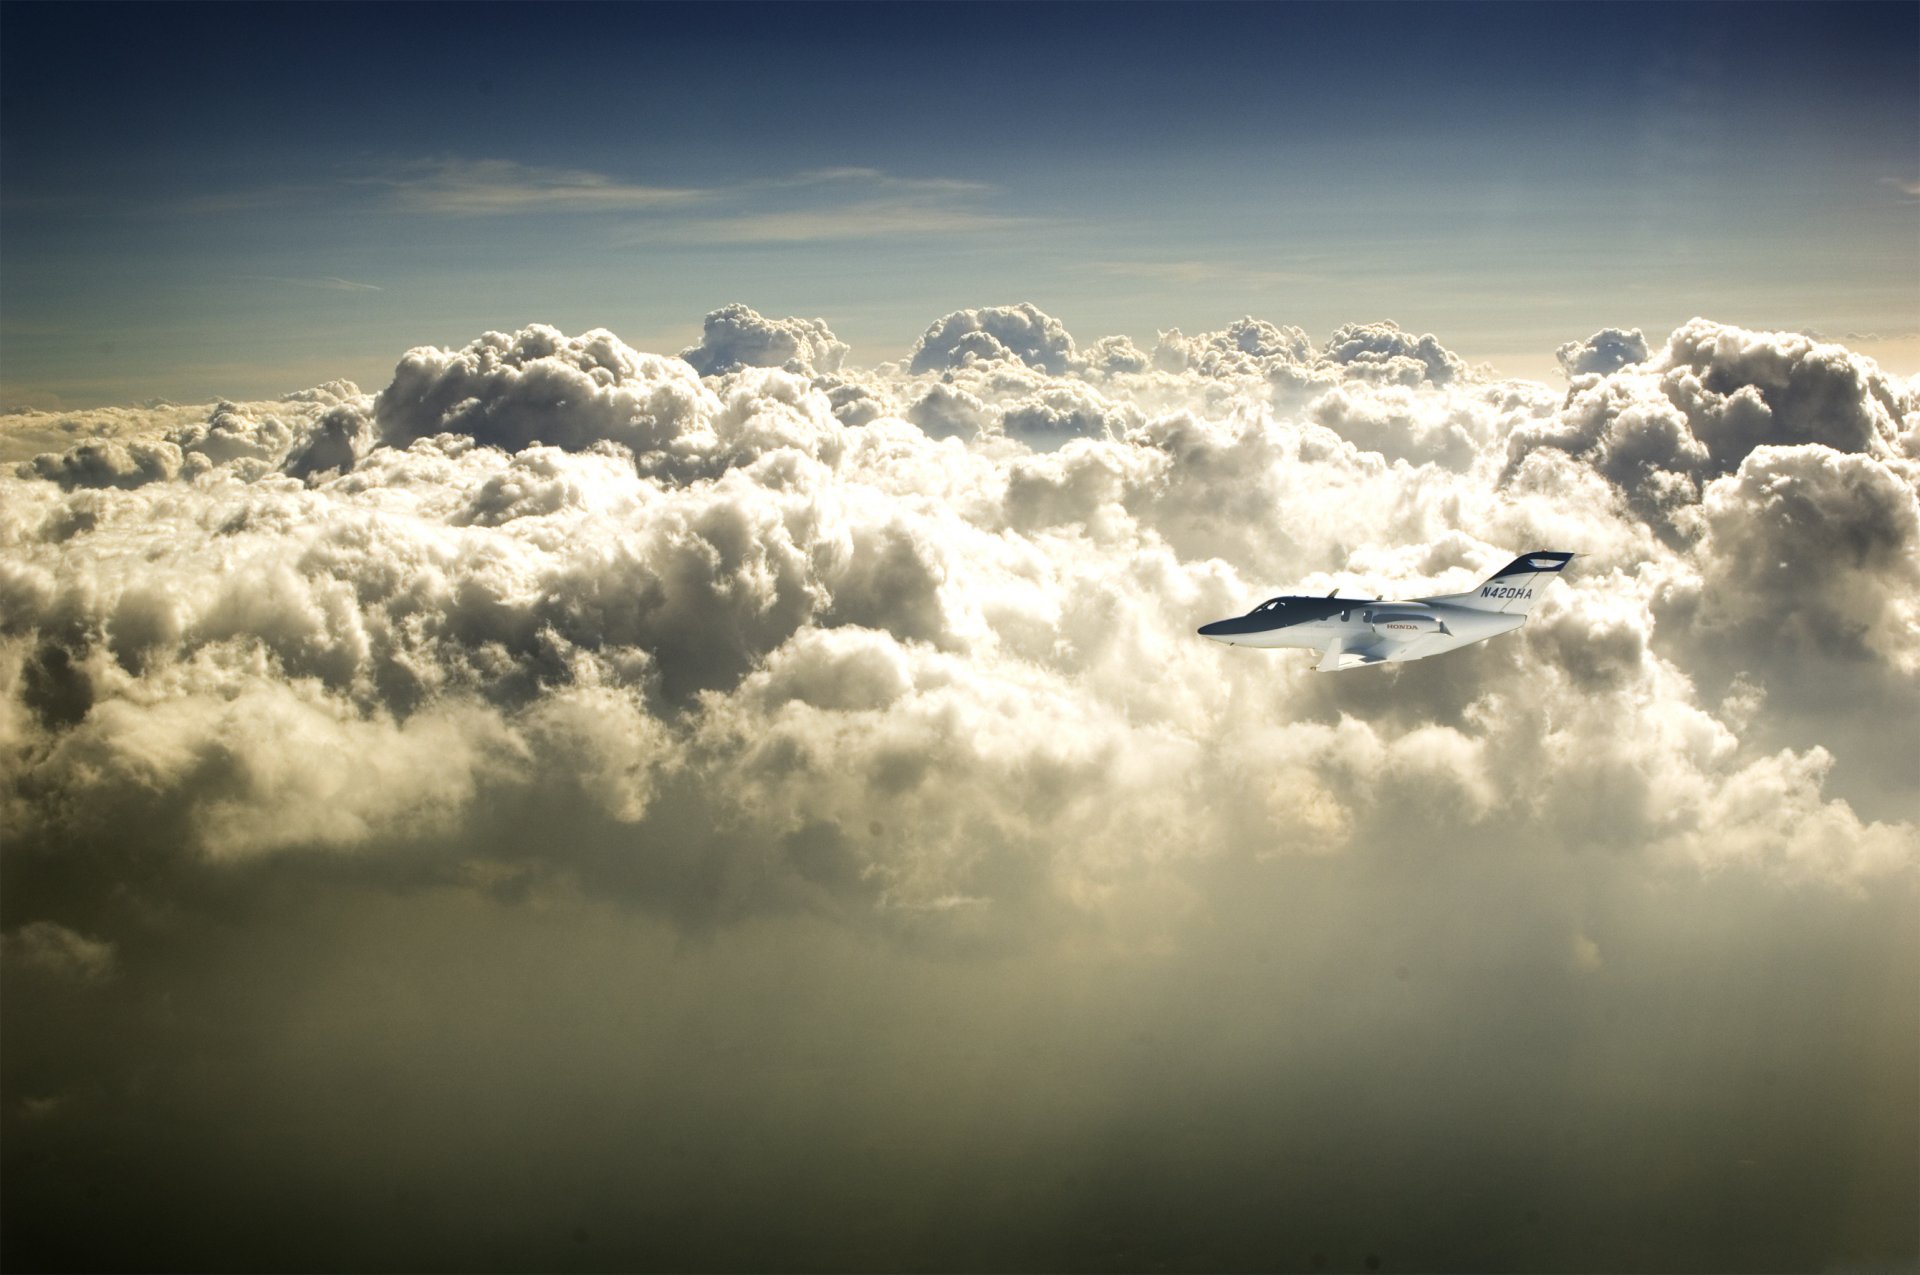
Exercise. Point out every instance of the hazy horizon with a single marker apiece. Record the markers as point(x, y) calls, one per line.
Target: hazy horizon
point(252, 199)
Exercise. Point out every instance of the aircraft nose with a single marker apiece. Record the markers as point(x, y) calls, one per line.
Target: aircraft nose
point(1217, 631)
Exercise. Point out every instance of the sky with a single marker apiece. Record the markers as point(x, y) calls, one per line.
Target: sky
point(598, 664)
point(248, 199)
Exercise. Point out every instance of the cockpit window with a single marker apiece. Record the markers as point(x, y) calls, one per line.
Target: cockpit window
point(1272, 604)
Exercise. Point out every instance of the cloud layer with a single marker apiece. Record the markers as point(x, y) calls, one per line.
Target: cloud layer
point(750, 638)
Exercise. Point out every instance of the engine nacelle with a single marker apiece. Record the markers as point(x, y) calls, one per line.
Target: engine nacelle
point(1404, 624)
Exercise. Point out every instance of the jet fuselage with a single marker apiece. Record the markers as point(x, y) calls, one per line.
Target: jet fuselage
point(1412, 629)
point(1354, 632)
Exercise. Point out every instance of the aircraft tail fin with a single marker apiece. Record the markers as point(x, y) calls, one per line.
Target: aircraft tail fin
point(1514, 588)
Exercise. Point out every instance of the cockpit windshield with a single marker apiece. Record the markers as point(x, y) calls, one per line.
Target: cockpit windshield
point(1281, 612)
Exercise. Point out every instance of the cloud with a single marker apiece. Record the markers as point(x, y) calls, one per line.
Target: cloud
point(1020, 332)
point(1056, 415)
point(1382, 351)
point(854, 175)
point(1810, 549)
point(362, 732)
point(1807, 391)
point(1605, 351)
point(735, 337)
point(832, 205)
point(310, 429)
point(815, 206)
point(540, 385)
point(1116, 354)
point(863, 219)
point(1661, 428)
point(500, 187)
point(1248, 346)
point(109, 464)
point(537, 512)
point(31, 432)
point(42, 947)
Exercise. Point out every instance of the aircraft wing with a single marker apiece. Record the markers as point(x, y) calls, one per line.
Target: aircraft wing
point(1345, 655)
point(1341, 655)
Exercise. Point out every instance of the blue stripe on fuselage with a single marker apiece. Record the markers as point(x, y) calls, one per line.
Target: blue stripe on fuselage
point(1281, 613)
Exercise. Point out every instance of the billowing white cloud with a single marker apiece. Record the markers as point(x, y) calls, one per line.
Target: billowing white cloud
point(1116, 354)
point(1662, 428)
point(110, 464)
point(556, 656)
point(539, 385)
point(1607, 350)
point(1246, 346)
point(545, 563)
point(1743, 390)
point(1810, 550)
point(736, 337)
point(1020, 332)
point(1381, 351)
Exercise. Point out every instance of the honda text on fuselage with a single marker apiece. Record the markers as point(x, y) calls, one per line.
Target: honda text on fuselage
point(1354, 632)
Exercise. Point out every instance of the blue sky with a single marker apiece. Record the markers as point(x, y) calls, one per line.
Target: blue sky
point(238, 201)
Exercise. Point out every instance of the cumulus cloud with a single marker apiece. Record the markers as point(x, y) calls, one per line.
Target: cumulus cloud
point(747, 639)
point(1662, 428)
point(1744, 389)
point(1381, 351)
point(1247, 345)
point(1019, 332)
point(537, 513)
point(1809, 549)
point(321, 427)
point(736, 337)
point(539, 385)
point(1607, 350)
point(109, 464)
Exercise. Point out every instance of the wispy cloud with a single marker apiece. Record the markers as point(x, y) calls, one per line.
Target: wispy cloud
point(867, 219)
point(1906, 186)
point(832, 204)
point(497, 187)
point(816, 205)
point(329, 283)
point(872, 177)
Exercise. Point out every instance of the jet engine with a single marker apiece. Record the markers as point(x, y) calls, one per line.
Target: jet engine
point(1404, 624)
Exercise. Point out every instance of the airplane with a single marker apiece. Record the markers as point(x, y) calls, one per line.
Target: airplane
point(1357, 632)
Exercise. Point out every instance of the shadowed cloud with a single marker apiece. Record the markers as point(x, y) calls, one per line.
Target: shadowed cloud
point(582, 808)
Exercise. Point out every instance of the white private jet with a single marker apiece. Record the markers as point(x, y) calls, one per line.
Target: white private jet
point(1355, 632)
